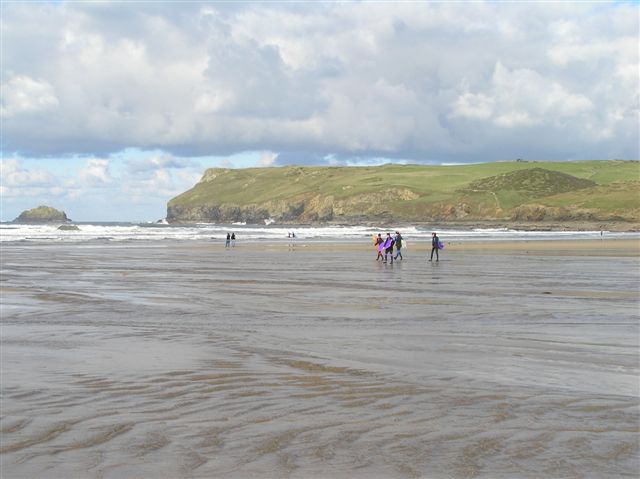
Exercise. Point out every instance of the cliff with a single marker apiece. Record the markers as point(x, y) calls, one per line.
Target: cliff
point(598, 191)
point(42, 214)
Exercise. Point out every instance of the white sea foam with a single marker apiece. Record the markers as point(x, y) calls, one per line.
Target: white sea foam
point(208, 232)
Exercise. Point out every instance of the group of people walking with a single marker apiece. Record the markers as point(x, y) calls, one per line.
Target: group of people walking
point(231, 240)
point(385, 247)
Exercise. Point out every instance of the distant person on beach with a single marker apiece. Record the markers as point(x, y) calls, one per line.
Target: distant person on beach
point(233, 240)
point(398, 242)
point(435, 246)
point(377, 244)
point(388, 248)
point(226, 245)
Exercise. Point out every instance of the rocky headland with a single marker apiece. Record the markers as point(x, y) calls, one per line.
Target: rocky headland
point(42, 214)
point(537, 195)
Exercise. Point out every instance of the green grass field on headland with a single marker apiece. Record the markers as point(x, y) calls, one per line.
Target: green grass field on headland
point(501, 191)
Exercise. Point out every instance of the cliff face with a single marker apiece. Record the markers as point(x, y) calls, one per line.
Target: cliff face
point(408, 193)
point(42, 214)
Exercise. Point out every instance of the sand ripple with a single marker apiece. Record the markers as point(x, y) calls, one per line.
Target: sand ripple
point(458, 370)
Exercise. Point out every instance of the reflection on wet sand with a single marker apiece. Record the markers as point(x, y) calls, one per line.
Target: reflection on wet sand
point(171, 361)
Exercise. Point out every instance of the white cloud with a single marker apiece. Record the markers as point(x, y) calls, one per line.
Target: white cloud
point(22, 94)
point(18, 181)
point(267, 158)
point(470, 105)
point(96, 173)
point(14, 174)
point(521, 97)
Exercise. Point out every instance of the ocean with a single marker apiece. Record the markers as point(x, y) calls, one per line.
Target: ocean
point(114, 232)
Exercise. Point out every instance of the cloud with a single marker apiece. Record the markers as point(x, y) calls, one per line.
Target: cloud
point(18, 181)
point(160, 161)
point(159, 184)
point(472, 105)
point(14, 174)
point(24, 95)
point(267, 158)
point(96, 173)
point(522, 97)
point(420, 81)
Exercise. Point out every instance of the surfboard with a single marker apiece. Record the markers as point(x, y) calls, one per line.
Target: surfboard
point(374, 237)
point(384, 245)
point(403, 244)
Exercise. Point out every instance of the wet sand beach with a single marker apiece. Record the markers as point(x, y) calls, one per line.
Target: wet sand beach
point(179, 360)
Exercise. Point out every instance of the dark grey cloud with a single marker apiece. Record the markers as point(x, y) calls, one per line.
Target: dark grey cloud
point(319, 83)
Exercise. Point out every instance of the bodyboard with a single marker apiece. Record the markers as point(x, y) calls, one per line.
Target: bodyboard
point(440, 245)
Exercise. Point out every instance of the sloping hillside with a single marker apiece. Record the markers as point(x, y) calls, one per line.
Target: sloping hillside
point(411, 193)
point(534, 181)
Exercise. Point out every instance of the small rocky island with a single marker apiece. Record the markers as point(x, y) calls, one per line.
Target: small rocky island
point(42, 214)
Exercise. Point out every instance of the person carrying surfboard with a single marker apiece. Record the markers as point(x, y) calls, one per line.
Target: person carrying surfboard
point(377, 243)
point(398, 243)
point(435, 246)
point(388, 248)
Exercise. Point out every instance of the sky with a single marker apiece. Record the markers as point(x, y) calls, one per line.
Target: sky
point(109, 109)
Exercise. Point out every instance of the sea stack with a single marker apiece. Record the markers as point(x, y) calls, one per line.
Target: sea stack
point(42, 214)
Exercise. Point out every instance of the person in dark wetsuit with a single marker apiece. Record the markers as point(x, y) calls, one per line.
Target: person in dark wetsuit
point(398, 241)
point(379, 240)
point(233, 240)
point(434, 246)
point(388, 244)
point(226, 245)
